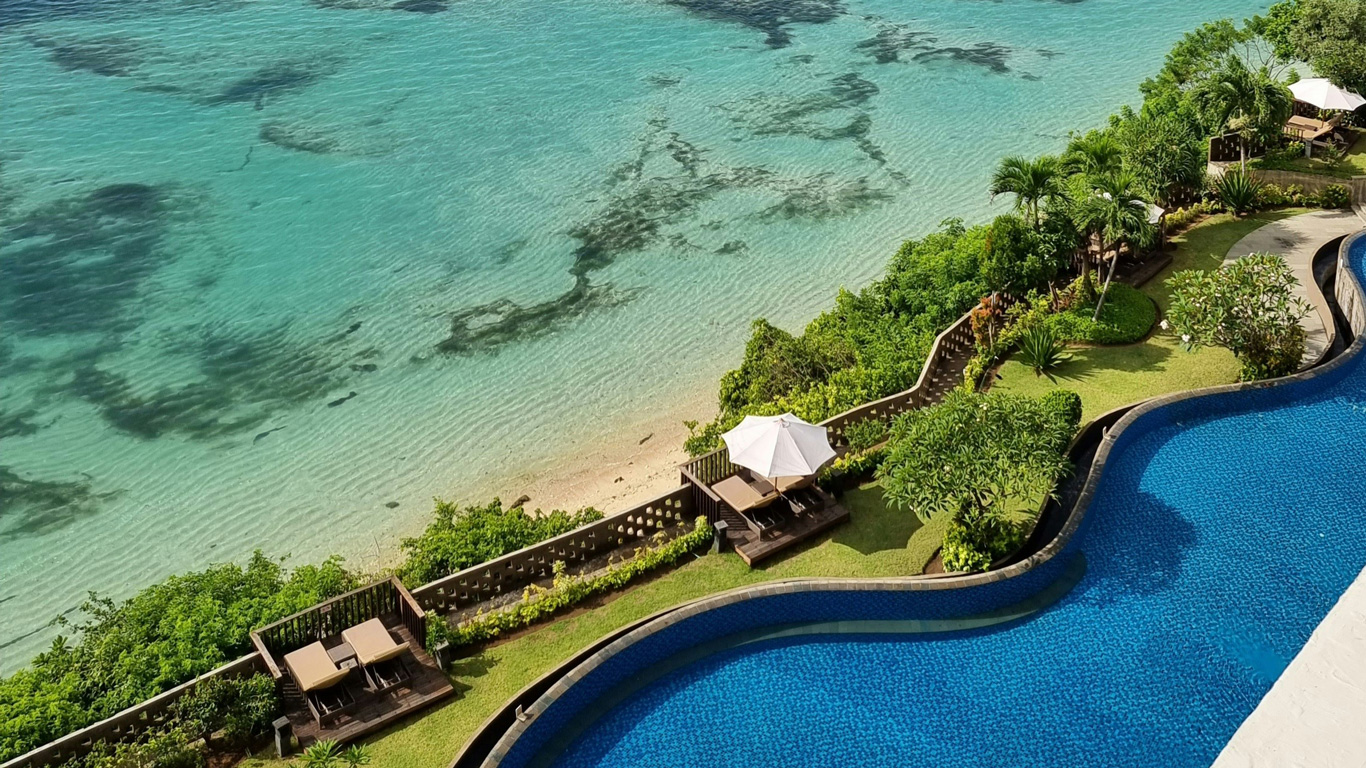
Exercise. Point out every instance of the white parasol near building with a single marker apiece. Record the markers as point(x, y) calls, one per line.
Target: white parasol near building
point(1321, 93)
point(779, 446)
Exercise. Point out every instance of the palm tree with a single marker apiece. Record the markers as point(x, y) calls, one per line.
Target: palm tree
point(1092, 155)
point(1252, 104)
point(1034, 183)
point(1117, 214)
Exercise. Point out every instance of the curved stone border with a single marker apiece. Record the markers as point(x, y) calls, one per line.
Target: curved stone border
point(1351, 300)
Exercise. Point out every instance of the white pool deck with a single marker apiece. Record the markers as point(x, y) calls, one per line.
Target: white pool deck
point(1314, 716)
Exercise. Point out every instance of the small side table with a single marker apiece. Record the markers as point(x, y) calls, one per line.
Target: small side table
point(344, 656)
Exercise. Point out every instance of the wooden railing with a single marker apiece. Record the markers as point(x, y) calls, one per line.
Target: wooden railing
point(127, 724)
point(324, 620)
point(710, 468)
point(514, 571)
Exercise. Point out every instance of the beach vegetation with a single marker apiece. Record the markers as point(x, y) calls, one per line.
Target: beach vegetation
point(460, 537)
point(122, 653)
point(1113, 211)
point(1249, 308)
point(1328, 34)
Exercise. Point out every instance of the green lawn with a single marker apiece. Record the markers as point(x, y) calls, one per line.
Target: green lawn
point(1108, 377)
point(1352, 164)
point(876, 542)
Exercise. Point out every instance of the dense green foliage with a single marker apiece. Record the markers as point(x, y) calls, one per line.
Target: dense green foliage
point(1128, 315)
point(239, 710)
point(540, 602)
point(873, 343)
point(1165, 153)
point(1329, 34)
point(123, 653)
point(982, 460)
point(459, 538)
point(1247, 307)
point(870, 345)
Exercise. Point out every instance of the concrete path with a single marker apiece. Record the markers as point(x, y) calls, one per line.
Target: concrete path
point(1314, 716)
point(1298, 238)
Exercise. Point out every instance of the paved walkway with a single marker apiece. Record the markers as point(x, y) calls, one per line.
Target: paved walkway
point(1298, 238)
point(1314, 714)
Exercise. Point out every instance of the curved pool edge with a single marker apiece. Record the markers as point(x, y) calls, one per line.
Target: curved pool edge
point(1352, 304)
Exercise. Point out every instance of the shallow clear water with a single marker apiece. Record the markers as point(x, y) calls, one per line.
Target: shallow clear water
point(506, 226)
point(1214, 546)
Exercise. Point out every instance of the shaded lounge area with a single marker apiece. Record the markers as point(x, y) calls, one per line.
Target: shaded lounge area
point(353, 665)
point(761, 489)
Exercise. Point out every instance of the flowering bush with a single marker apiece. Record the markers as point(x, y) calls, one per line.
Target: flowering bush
point(1247, 307)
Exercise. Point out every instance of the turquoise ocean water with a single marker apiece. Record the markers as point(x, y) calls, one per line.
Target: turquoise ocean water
point(507, 227)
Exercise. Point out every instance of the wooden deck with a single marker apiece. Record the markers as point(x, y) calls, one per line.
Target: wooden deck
point(753, 549)
point(373, 711)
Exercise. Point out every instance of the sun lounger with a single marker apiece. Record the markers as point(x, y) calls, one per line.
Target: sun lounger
point(379, 656)
point(741, 496)
point(319, 681)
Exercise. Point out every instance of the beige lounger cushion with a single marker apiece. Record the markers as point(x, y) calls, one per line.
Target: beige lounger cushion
point(372, 642)
point(312, 669)
point(740, 496)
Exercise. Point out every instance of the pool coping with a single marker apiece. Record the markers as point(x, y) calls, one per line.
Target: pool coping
point(1352, 303)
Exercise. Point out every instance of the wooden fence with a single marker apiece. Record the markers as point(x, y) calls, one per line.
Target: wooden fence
point(130, 722)
point(511, 573)
point(706, 470)
point(330, 618)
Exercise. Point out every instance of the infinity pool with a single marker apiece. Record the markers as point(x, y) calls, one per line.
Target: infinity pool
point(1223, 530)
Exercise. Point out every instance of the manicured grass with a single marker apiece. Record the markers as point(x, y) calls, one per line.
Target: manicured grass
point(876, 542)
point(1108, 377)
point(1352, 164)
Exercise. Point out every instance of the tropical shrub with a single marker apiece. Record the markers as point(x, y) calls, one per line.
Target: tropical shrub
point(460, 538)
point(123, 653)
point(1335, 196)
point(985, 460)
point(1165, 152)
point(1020, 258)
point(329, 754)
point(242, 709)
point(865, 434)
point(1247, 307)
point(1127, 316)
point(1041, 350)
point(1237, 191)
point(540, 602)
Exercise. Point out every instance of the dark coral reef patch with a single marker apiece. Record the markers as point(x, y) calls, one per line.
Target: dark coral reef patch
point(75, 264)
point(771, 17)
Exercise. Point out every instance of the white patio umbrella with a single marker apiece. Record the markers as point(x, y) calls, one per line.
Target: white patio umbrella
point(779, 446)
point(1320, 92)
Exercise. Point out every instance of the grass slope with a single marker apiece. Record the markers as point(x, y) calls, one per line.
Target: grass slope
point(876, 542)
point(1108, 377)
